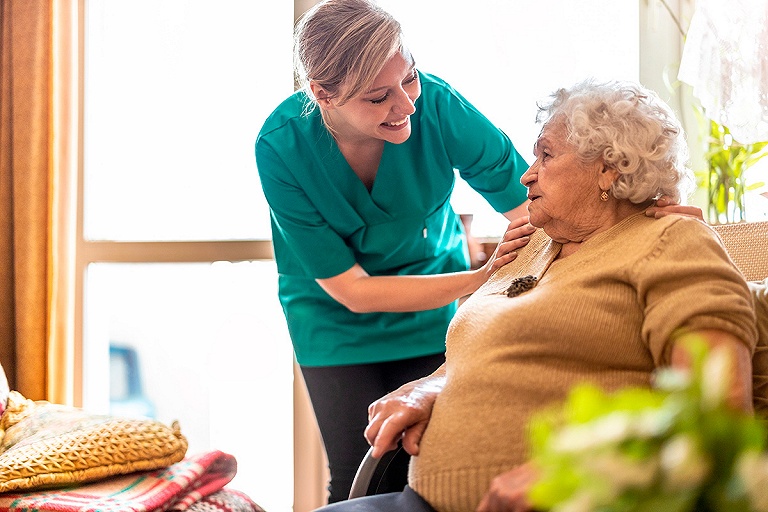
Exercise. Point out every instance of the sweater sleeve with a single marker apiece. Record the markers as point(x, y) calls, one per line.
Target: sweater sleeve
point(760, 357)
point(687, 282)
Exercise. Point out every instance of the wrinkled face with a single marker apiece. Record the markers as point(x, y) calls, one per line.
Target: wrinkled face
point(383, 111)
point(564, 191)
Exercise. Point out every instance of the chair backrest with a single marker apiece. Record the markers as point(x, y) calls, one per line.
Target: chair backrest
point(747, 244)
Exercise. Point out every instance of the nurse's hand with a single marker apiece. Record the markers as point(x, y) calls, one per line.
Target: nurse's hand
point(665, 206)
point(515, 238)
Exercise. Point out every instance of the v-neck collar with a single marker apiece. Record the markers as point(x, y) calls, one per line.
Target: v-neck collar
point(341, 173)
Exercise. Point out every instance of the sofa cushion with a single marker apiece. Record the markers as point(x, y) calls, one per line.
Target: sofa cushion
point(45, 445)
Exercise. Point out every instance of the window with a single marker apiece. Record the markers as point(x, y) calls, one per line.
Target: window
point(179, 290)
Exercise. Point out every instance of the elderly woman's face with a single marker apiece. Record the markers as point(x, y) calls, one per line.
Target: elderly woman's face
point(562, 188)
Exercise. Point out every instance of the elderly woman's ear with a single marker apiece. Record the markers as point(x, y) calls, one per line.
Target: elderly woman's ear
point(606, 177)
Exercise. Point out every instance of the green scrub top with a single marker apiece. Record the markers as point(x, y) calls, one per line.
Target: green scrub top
point(324, 219)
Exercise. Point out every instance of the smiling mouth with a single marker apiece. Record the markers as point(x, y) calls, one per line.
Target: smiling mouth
point(532, 197)
point(397, 123)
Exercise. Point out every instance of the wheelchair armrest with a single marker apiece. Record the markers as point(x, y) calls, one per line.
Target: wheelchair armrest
point(370, 477)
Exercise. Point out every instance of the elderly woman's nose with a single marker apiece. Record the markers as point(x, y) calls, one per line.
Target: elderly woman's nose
point(529, 176)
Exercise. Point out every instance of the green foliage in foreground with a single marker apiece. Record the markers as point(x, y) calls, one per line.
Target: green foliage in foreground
point(675, 448)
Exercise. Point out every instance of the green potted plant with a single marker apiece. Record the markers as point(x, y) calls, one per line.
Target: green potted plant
point(726, 176)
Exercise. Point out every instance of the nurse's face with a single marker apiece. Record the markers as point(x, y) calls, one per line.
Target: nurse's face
point(382, 112)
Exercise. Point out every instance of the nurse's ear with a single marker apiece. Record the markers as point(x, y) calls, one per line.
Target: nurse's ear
point(323, 97)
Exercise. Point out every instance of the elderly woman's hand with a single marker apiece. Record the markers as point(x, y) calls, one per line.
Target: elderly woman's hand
point(403, 414)
point(508, 491)
point(665, 206)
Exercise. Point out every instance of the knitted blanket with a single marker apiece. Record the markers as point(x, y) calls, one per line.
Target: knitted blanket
point(195, 483)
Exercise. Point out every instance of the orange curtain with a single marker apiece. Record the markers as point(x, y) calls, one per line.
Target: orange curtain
point(25, 193)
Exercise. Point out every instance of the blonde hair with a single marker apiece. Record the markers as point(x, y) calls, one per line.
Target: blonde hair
point(344, 44)
point(632, 130)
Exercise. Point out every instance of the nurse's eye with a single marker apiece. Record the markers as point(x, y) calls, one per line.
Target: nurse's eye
point(380, 100)
point(414, 77)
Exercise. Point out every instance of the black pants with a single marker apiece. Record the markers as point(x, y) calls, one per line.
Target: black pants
point(340, 397)
point(405, 501)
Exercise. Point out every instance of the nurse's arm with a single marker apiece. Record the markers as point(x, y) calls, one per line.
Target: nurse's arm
point(517, 212)
point(362, 293)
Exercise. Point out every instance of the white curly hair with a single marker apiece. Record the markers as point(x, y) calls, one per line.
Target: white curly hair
point(631, 129)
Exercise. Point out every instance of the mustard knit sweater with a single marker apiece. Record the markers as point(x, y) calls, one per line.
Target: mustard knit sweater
point(605, 314)
point(760, 357)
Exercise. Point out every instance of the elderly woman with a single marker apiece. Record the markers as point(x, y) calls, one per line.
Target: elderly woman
point(601, 293)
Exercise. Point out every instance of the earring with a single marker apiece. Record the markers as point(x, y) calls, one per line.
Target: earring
point(604, 196)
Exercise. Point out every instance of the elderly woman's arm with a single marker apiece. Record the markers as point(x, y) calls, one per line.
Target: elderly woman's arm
point(403, 414)
point(739, 394)
point(509, 490)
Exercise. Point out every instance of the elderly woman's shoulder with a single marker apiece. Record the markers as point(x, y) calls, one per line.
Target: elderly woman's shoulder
point(671, 227)
point(759, 291)
point(673, 238)
point(682, 226)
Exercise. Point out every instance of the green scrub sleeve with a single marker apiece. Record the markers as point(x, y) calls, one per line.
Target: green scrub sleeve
point(298, 226)
point(482, 153)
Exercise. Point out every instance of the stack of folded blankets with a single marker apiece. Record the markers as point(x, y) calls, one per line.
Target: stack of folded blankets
point(60, 458)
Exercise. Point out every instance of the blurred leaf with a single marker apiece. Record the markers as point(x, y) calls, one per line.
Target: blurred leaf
point(622, 434)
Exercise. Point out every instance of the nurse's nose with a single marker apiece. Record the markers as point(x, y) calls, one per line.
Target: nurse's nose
point(403, 104)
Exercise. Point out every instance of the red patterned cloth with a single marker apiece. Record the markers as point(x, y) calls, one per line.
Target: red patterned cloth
point(225, 500)
point(193, 484)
